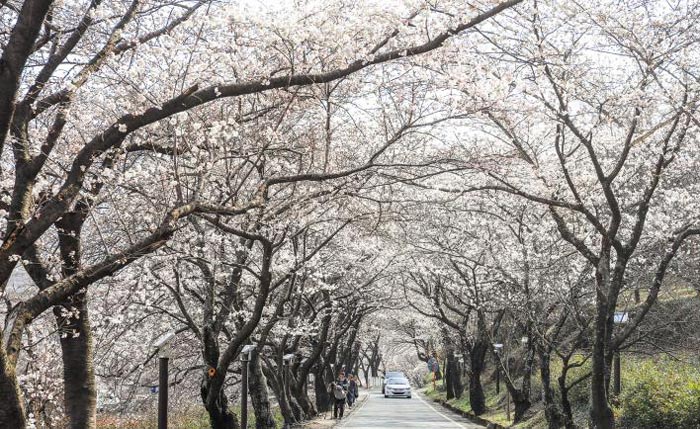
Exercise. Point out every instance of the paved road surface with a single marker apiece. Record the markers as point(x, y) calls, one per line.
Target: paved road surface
point(379, 412)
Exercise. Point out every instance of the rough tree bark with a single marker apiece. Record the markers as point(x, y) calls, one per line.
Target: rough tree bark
point(215, 400)
point(297, 409)
point(551, 410)
point(72, 318)
point(12, 409)
point(477, 357)
point(520, 396)
point(453, 383)
point(564, 389)
point(80, 394)
point(323, 398)
point(257, 386)
point(601, 413)
point(275, 382)
point(300, 393)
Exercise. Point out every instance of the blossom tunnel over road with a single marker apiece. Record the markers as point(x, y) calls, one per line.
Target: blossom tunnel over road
point(349, 186)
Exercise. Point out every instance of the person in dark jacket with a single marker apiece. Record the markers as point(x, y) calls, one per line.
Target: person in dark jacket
point(353, 391)
point(345, 382)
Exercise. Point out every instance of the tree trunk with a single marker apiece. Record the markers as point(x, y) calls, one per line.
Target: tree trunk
point(257, 386)
point(565, 403)
point(375, 359)
point(220, 417)
point(323, 398)
point(521, 397)
point(302, 398)
point(477, 399)
point(354, 357)
point(551, 410)
point(297, 410)
point(601, 414)
point(449, 376)
point(521, 403)
point(80, 395)
point(72, 318)
point(11, 408)
point(276, 383)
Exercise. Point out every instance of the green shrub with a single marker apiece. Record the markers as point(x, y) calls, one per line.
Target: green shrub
point(661, 395)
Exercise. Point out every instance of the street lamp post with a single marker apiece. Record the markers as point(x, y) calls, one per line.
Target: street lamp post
point(497, 349)
point(162, 346)
point(620, 317)
point(245, 361)
point(460, 361)
point(286, 362)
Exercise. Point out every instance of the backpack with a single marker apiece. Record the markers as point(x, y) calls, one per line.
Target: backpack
point(431, 364)
point(338, 392)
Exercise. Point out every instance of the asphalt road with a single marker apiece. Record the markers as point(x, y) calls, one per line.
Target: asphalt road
point(380, 412)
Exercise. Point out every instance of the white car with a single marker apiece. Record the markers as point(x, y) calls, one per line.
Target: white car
point(397, 387)
point(389, 375)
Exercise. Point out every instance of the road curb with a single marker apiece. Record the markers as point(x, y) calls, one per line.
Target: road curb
point(473, 417)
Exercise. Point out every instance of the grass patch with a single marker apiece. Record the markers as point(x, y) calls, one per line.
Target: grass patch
point(193, 418)
point(495, 402)
point(661, 394)
point(657, 393)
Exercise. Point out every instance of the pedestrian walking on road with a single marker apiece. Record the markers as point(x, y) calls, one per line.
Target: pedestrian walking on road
point(339, 393)
point(434, 368)
point(353, 391)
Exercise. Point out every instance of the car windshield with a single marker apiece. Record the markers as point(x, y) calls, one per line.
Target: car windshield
point(397, 381)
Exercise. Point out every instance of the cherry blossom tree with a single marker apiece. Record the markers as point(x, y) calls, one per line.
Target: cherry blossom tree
point(83, 84)
point(605, 121)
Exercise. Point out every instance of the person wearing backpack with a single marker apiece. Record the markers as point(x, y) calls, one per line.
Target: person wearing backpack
point(339, 393)
point(434, 368)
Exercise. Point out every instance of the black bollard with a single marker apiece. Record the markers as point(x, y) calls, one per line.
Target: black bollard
point(163, 393)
